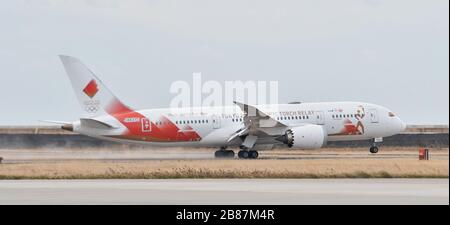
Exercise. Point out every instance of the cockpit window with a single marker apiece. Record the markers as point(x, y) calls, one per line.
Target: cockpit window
point(391, 114)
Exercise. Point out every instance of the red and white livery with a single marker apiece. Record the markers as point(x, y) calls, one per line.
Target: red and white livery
point(247, 127)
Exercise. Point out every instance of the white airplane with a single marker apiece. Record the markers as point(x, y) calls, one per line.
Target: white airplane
point(247, 127)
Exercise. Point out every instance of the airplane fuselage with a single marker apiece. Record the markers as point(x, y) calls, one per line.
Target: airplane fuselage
point(249, 127)
point(213, 126)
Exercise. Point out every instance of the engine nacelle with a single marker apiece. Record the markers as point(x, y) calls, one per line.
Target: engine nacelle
point(305, 137)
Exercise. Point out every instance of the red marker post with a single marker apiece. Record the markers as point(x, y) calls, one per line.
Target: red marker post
point(424, 154)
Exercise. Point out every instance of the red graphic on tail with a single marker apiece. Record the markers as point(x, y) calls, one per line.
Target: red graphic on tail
point(91, 89)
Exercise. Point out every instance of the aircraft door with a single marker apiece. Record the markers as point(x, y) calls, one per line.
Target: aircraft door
point(146, 126)
point(320, 117)
point(373, 113)
point(215, 121)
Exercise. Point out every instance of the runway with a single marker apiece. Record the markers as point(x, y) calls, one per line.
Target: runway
point(118, 155)
point(226, 191)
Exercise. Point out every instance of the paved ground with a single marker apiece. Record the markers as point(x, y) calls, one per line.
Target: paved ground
point(49, 155)
point(226, 191)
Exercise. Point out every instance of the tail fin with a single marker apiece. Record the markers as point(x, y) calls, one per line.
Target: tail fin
point(94, 97)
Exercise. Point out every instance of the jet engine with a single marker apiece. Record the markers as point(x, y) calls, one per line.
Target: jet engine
point(304, 137)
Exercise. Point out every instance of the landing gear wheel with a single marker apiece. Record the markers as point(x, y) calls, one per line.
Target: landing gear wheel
point(243, 154)
point(218, 154)
point(224, 154)
point(373, 149)
point(253, 154)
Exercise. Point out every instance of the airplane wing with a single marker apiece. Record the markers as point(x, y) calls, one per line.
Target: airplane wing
point(256, 122)
point(255, 118)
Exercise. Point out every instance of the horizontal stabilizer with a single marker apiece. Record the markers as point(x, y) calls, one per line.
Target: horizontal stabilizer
point(92, 123)
point(55, 122)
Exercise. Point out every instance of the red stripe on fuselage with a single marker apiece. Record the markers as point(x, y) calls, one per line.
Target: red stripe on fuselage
point(164, 132)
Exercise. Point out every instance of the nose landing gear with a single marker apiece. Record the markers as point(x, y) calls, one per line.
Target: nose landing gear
point(374, 148)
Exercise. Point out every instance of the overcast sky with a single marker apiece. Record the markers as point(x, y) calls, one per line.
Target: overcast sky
point(393, 53)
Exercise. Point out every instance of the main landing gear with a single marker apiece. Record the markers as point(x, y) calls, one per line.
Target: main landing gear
point(224, 153)
point(248, 154)
point(243, 154)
